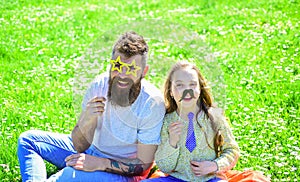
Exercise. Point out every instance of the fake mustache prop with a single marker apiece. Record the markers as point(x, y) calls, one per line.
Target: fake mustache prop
point(185, 92)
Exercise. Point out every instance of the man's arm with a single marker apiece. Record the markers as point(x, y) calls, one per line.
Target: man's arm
point(139, 166)
point(82, 137)
point(83, 132)
point(134, 167)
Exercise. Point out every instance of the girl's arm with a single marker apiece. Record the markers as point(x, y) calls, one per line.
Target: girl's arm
point(230, 149)
point(166, 156)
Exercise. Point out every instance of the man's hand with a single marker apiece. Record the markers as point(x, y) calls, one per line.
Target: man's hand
point(203, 168)
point(83, 132)
point(175, 130)
point(86, 162)
point(94, 108)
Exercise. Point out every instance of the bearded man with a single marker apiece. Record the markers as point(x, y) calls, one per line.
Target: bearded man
point(118, 130)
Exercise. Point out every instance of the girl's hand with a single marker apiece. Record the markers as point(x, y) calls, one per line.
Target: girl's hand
point(203, 168)
point(175, 130)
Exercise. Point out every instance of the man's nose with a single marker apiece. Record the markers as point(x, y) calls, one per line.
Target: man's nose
point(123, 74)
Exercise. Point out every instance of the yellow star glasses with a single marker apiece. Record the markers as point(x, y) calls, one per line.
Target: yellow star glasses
point(117, 65)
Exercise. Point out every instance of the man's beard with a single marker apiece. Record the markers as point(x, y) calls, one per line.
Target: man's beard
point(123, 96)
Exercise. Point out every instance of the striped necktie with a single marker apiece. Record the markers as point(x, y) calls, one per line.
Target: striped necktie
point(190, 138)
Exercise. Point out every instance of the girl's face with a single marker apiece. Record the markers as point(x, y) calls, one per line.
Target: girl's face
point(184, 79)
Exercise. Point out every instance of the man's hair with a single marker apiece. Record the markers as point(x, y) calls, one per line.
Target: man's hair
point(131, 44)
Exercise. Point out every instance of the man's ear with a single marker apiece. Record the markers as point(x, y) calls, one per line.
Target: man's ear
point(145, 71)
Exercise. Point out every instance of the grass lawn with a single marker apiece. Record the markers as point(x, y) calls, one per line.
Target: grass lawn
point(249, 50)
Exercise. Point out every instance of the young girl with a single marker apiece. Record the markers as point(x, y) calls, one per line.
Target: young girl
point(197, 143)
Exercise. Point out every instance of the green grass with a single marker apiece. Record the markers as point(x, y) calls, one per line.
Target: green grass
point(255, 46)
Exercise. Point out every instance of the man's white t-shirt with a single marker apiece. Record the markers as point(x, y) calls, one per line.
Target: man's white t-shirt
point(120, 128)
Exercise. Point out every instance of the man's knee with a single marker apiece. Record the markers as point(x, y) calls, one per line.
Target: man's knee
point(27, 136)
point(66, 174)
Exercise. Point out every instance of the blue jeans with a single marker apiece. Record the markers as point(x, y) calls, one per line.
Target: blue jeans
point(173, 179)
point(35, 146)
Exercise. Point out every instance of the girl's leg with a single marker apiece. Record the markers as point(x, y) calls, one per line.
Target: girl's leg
point(215, 179)
point(173, 179)
point(36, 146)
point(163, 179)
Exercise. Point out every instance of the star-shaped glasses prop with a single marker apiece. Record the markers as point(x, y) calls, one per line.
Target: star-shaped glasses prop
point(117, 65)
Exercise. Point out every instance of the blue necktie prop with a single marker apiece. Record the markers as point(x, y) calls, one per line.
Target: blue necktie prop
point(190, 138)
